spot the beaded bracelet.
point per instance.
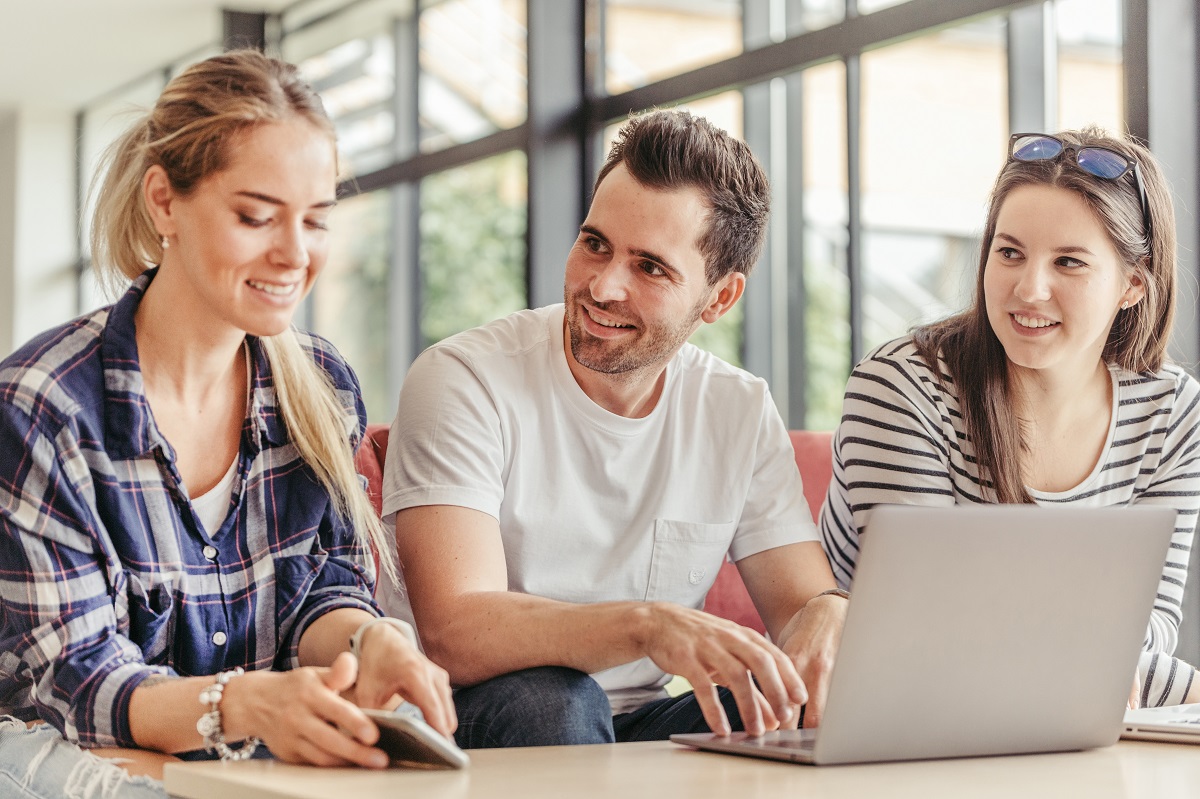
(209, 726)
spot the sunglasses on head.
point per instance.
(1101, 162)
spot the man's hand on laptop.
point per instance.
(709, 651)
(811, 641)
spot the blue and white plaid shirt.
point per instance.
(106, 574)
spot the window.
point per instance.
(1090, 90)
(875, 226)
(350, 59)
(826, 343)
(472, 245)
(350, 303)
(648, 40)
(925, 185)
(473, 60)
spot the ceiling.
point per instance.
(59, 54)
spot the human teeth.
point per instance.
(1029, 321)
(274, 289)
(604, 323)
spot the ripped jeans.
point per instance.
(38, 763)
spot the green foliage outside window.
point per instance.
(472, 245)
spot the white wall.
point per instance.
(8, 226)
(37, 223)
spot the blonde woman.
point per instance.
(1053, 387)
(186, 545)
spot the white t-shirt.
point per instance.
(213, 505)
(593, 506)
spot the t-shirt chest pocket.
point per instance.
(685, 560)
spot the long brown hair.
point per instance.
(975, 359)
(189, 133)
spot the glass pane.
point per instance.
(473, 70)
(871, 6)
(350, 301)
(925, 185)
(826, 284)
(350, 60)
(472, 245)
(1090, 79)
(816, 14)
(648, 40)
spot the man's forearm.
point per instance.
(486, 634)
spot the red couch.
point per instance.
(728, 597)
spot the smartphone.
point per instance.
(409, 741)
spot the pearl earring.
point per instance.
(1124, 305)
(166, 243)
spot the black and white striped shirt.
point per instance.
(902, 441)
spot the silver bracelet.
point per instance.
(842, 592)
(210, 727)
(404, 627)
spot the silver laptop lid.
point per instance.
(992, 629)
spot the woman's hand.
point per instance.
(301, 716)
(390, 667)
(1135, 695)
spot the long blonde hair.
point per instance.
(188, 133)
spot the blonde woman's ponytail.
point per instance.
(124, 241)
(315, 423)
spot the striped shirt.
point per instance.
(106, 574)
(902, 441)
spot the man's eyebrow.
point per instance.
(591, 231)
(267, 198)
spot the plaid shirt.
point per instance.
(106, 574)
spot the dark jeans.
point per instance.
(550, 706)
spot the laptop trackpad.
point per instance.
(801, 740)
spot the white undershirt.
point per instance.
(213, 505)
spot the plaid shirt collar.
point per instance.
(129, 428)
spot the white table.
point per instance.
(661, 770)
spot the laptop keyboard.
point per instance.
(1188, 722)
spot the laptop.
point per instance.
(983, 630)
(1177, 724)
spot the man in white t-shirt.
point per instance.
(566, 482)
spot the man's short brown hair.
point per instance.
(670, 150)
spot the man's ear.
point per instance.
(158, 194)
(724, 295)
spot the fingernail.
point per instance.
(786, 715)
(379, 761)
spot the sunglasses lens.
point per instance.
(1102, 163)
(1036, 148)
